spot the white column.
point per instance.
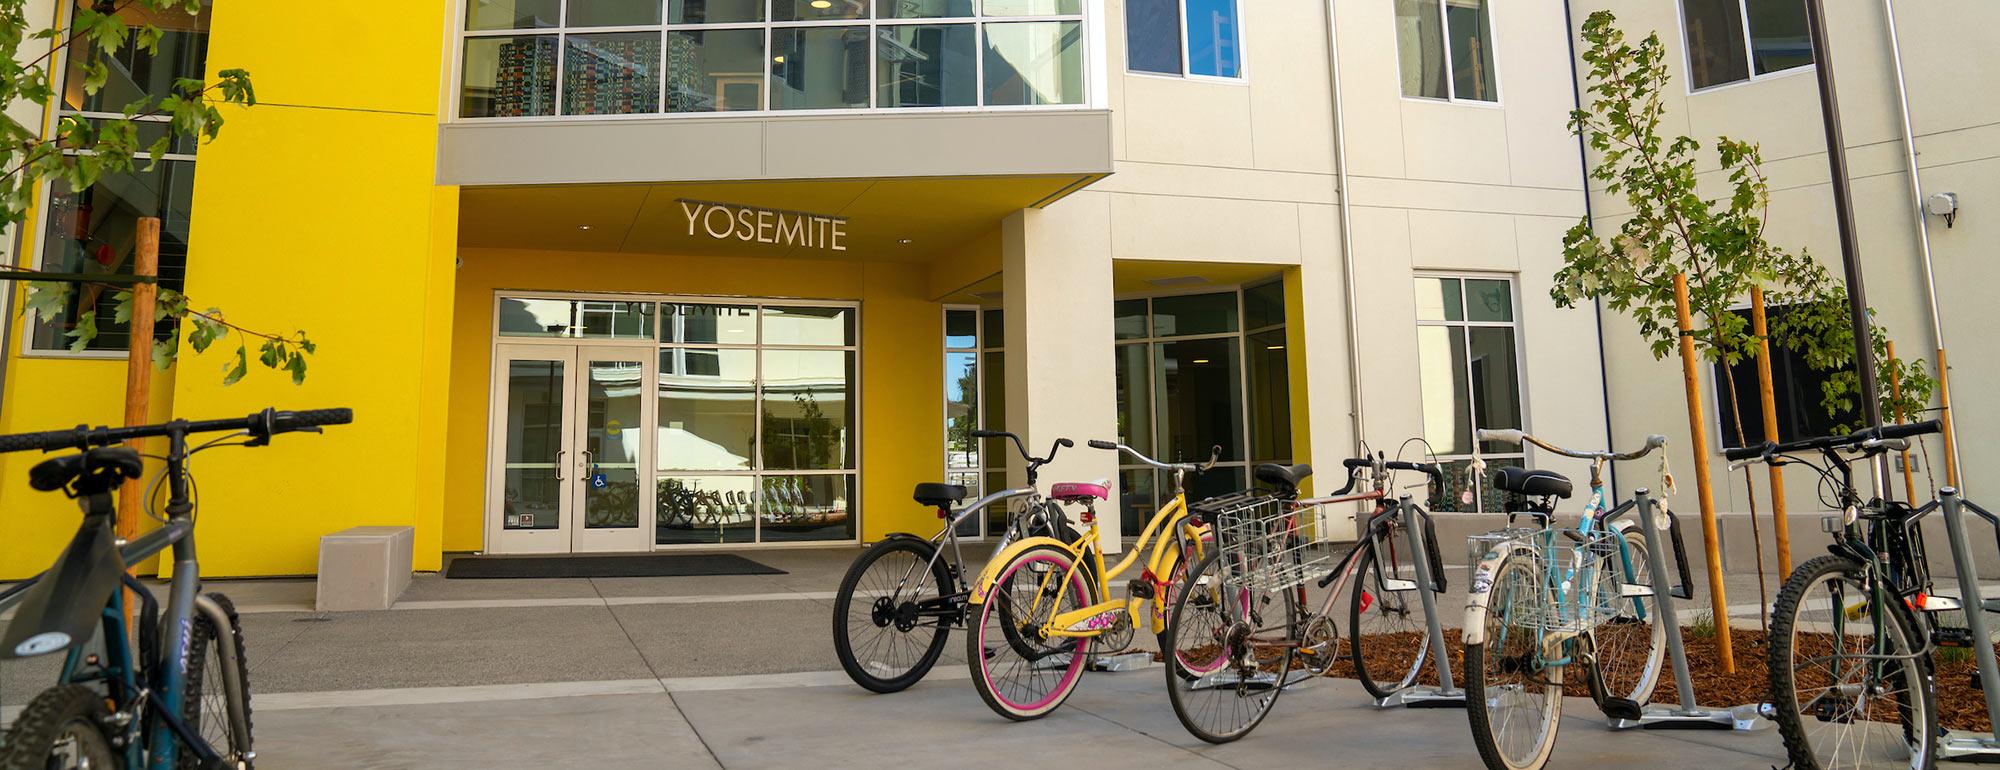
(1056, 265)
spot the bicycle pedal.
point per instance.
(1622, 708)
(1952, 637)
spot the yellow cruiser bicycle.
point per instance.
(1041, 601)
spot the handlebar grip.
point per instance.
(1425, 468)
(1504, 436)
(1098, 443)
(308, 418)
(987, 434)
(1066, 443)
(1352, 463)
(1655, 441)
(45, 440)
(1748, 452)
(1909, 430)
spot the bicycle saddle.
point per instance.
(938, 495)
(1287, 476)
(112, 464)
(1076, 491)
(1535, 483)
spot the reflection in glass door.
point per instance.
(611, 439)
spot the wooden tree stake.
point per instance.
(1698, 431)
(1767, 393)
(1896, 394)
(139, 362)
(1950, 438)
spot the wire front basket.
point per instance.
(1573, 583)
(1264, 542)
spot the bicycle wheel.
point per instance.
(1020, 673)
(1845, 683)
(1221, 678)
(1514, 702)
(1626, 651)
(60, 729)
(1389, 637)
(205, 708)
(1189, 552)
(882, 641)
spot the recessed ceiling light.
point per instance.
(1274, 347)
(779, 59)
(822, 4)
(904, 241)
(583, 227)
(1200, 361)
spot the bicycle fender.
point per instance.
(991, 572)
(1481, 592)
(65, 605)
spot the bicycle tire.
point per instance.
(901, 673)
(1500, 656)
(69, 713)
(1026, 688)
(1387, 664)
(1611, 639)
(205, 708)
(1793, 609)
(1256, 690)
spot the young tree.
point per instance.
(81, 151)
(1718, 244)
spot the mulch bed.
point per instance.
(1961, 706)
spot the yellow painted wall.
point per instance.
(902, 361)
(316, 210)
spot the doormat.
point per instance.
(629, 565)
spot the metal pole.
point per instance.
(1843, 211)
(1663, 599)
(1975, 607)
(1413, 526)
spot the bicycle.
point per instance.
(169, 703)
(1544, 597)
(889, 633)
(1226, 662)
(1851, 636)
(1053, 600)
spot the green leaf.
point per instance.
(83, 332)
(233, 371)
(164, 352)
(47, 298)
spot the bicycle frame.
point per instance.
(1098, 618)
(950, 606)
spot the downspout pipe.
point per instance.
(1583, 167)
(1923, 221)
(1346, 228)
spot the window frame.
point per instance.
(1526, 454)
(1085, 19)
(1749, 61)
(1242, 77)
(654, 346)
(986, 467)
(1451, 86)
(45, 190)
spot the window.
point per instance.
(544, 58)
(1445, 48)
(757, 424)
(93, 231)
(1196, 371)
(975, 399)
(1731, 41)
(1796, 388)
(1468, 372)
(1184, 37)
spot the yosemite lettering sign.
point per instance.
(723, 221)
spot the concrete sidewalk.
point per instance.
(739, 671)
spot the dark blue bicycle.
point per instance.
(170, 687)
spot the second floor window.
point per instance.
(544, 58)
(1201, 38)
(1445, 50)
(1730, 41)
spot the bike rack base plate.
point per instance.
(1745, 718)
(1423, 697)
(1975, 747)
(1123, 661)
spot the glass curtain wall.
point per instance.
(544, 58)
(975, 399)
(1195, 372)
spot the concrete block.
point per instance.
(364, 568)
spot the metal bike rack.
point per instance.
(1958, 744)
(1447, 694)
(1685, 716)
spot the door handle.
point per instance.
(586, 456)
(559, 455)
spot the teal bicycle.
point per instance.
(1546, 597)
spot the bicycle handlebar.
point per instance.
(1883, 437)
(1516, 436)
(262, 425)
(1023, 448)
(1214, 456)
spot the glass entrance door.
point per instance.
(569, 443)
